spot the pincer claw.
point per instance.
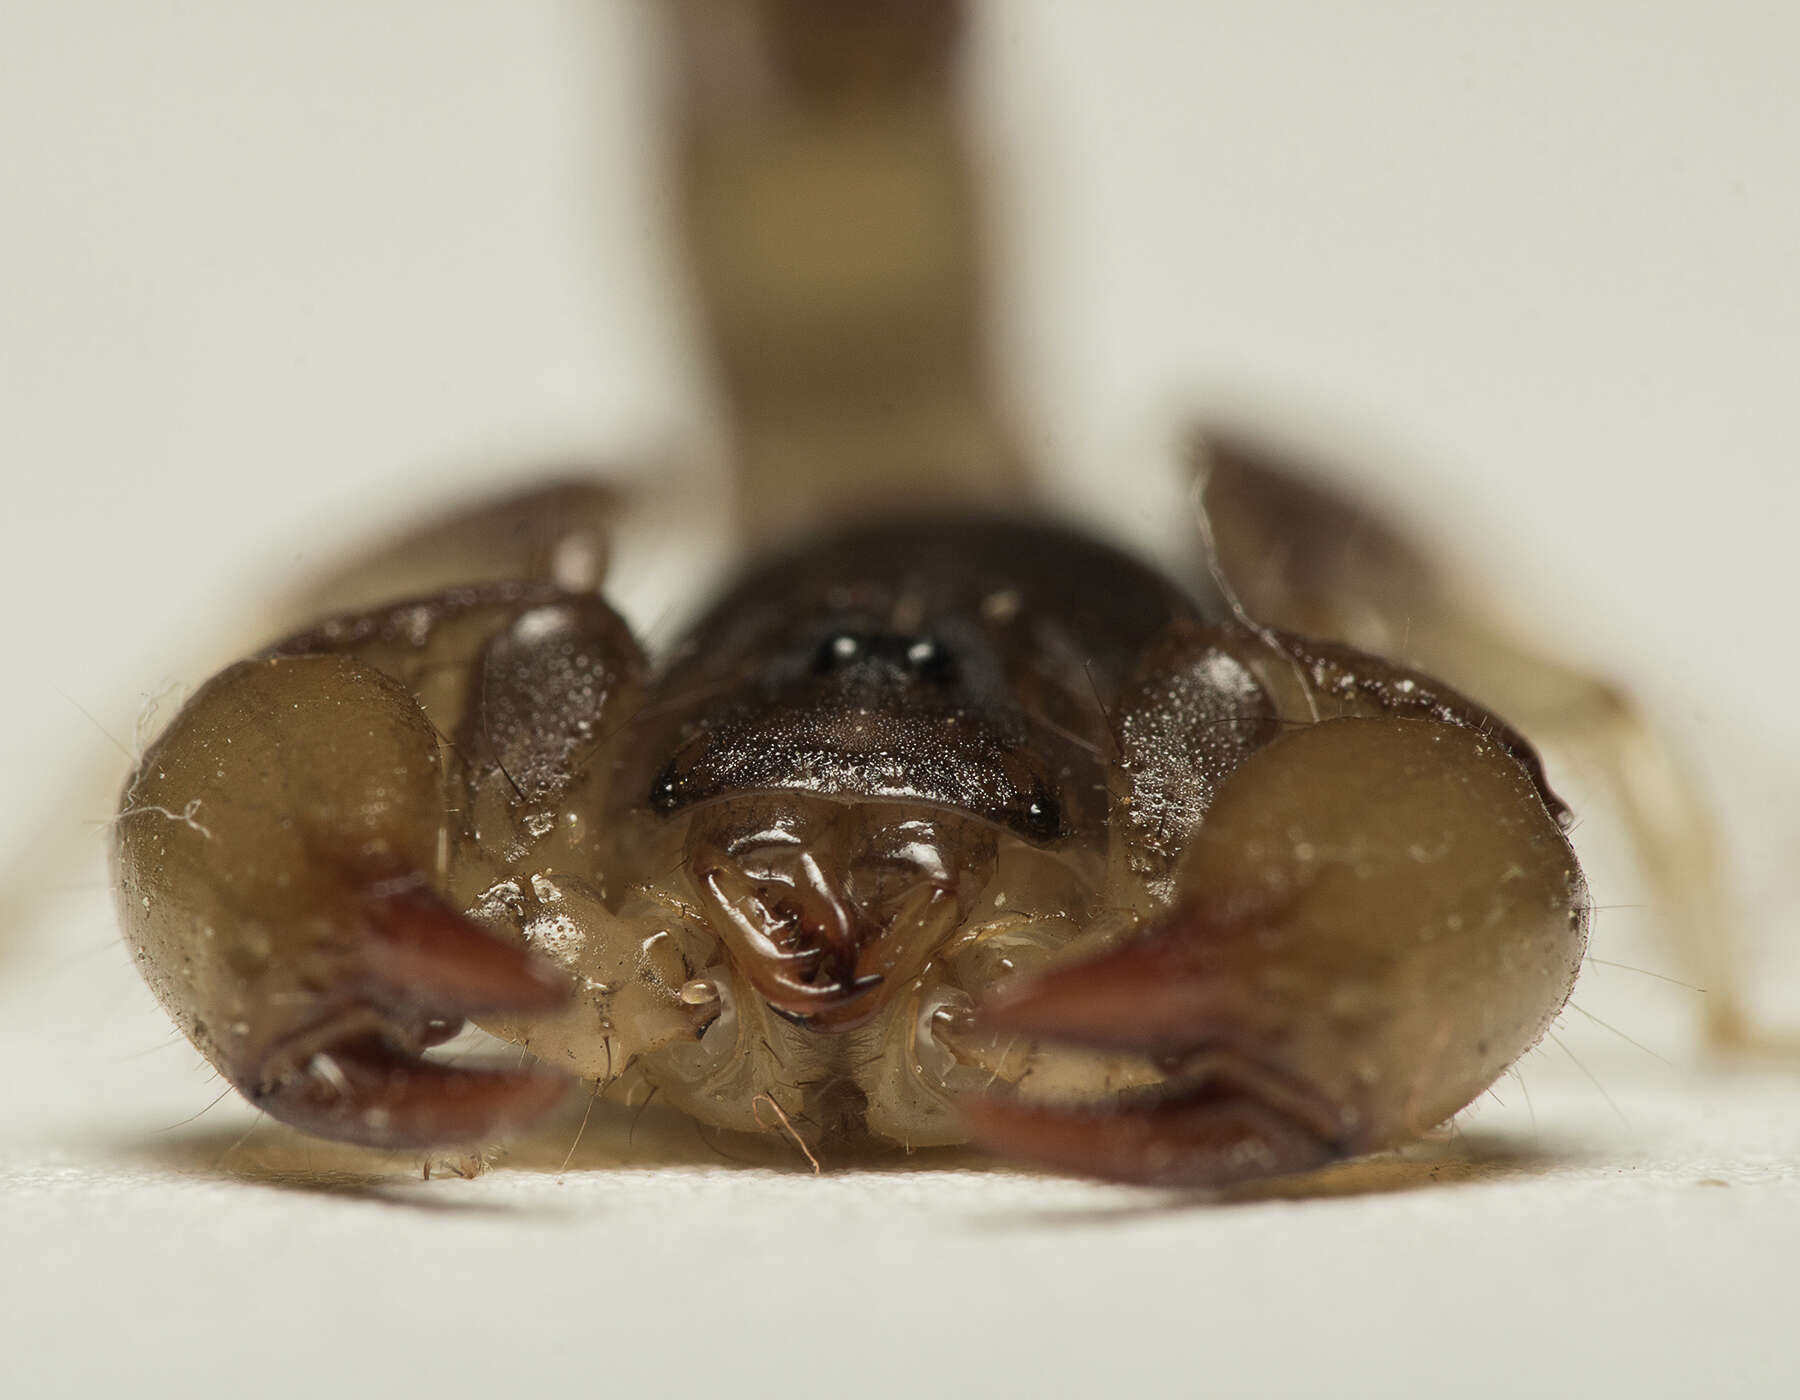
(1221, 1115)
(369, 1091)
(357, 1074)
(1209, 1137)
(424, 953)
(1376, 918)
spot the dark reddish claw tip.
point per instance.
(423, 967)
(1145, 996)
(370, 1093)
(427, 955)
(1209, 1141)
(1162, 997)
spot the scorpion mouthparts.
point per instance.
(840, 1003)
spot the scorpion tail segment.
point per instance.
(1375, 918)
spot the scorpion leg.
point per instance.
(560, 529)
(1306, 559)
(1376, 916)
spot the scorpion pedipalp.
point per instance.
(1377, 917)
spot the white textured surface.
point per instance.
(270, 272)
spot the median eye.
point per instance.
(929, 660)
(838, 650)
(921, 658)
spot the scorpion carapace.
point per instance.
(956, 828)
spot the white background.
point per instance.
(271, 276)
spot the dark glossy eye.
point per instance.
(1042, 816)
(924, 658)
(929, 660)
(665, 792)
(837, 650)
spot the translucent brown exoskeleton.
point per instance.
(962, 827)
(944, 822)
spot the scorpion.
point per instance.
(947, 821)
